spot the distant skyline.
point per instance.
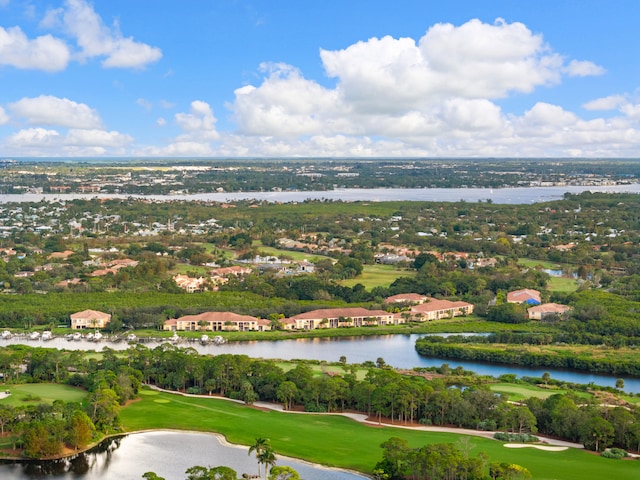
(355, 78)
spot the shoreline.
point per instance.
(357, 417)
(219, 437)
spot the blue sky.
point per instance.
(337, 78)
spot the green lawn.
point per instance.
(183, 268)
(533, 263)
(342, 442)
(563, 284)
(298, 256)
(378, 276)
(325, 369)
(517, 393)
(41, 393)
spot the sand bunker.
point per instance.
(546, 448)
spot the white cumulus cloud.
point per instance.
(199, 122)
(198, 128)
(95, 39)
(30, 137)
(4, 118)
(42, 53)
(76, 142)
(286, 104)
(53, 111)
(583, 69)
(433, 95)
(97, 138)
(632, 111)
(611, 102)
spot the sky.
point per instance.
(330, 78)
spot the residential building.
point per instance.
(340, 317)
(546, 310)
(526, 295)
(189, 284)
(415, 298)
(89, 319)
(217, 322)
(435, 309)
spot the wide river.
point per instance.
(396, 350)
(507, 195)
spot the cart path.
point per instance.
(362, 418)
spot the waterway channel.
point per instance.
(507, 195)
(396, 350)
(168, 454)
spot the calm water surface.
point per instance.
(168, 454)
(510, 195)
(396, 350)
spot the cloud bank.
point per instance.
(441, 95)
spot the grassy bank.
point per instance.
(337, 441)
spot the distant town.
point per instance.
(142, 177)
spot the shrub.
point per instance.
(312, 407)
(615, 453)
(487, 425)
(30, 397)
(515, 437)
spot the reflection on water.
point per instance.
(396, 350)
(168, 454)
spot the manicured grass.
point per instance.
(562, 284)
(338, 441)
(556, 284)
(378, 276)
(41, 393)
(517, 393)
(183, 268)
(533, 263)
(324, 369)
(298, 256)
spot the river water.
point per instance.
(396, 350)
(168, 454)
(507, 195)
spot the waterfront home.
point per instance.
(217, 322)
(89, 319)
(340, 317)
(434, 309)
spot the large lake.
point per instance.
(396, 350)
(168, 454)
(509, 195)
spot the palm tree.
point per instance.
(259, 446)
(267, 457)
